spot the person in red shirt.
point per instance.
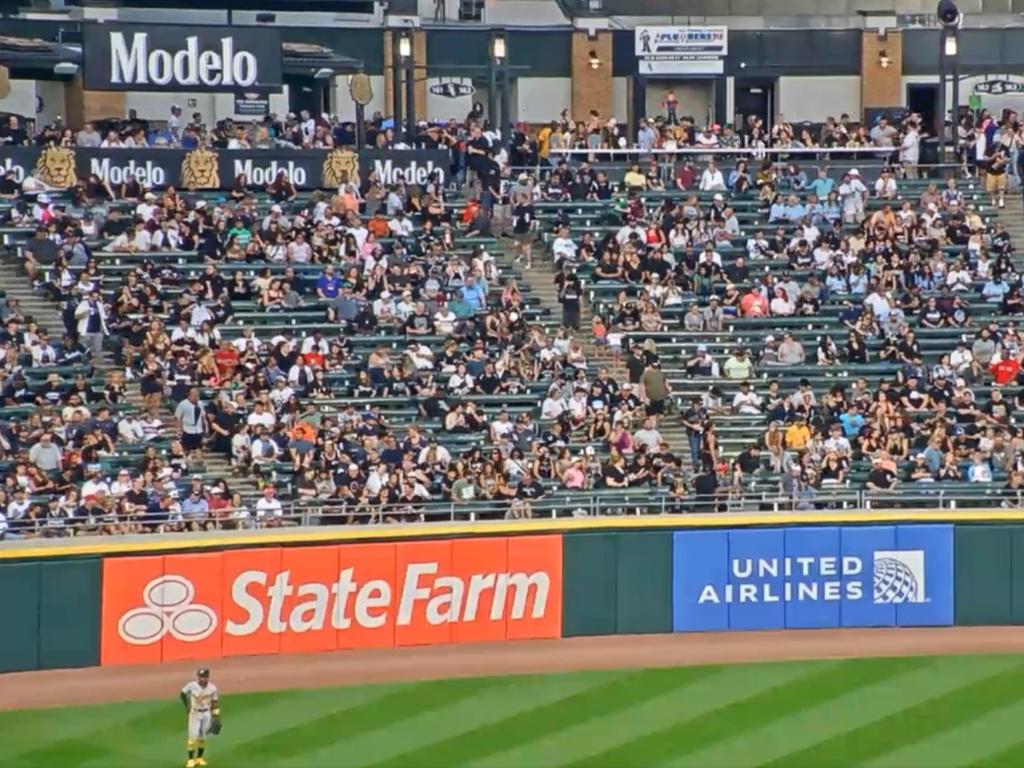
(1005, 371)
(226, 357)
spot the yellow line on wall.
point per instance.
(227, 539)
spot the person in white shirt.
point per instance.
(112, 140)
(885, 186)
(129, 429)
(958, 278)
(268, 508)
(910, 150)
(308, 127)
(852, 194)
(444, 320)
(563, 248)
(712, 180)
(630, 227)
(261, 417)
(400, 225)
(147, 208)
(553, 405)
(384, 308)
(747, 401)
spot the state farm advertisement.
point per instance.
(337, 597)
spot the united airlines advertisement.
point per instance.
(813, 577)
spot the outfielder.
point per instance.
(202, 704)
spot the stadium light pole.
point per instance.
(405, 52)
(950, 20)
(499, 51)
(396, 84)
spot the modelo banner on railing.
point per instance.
(203, 169)
(813, 577)
(136, 57)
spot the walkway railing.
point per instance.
(629, 503)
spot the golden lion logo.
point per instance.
(200, 170)
(340, 167)
(56, 167)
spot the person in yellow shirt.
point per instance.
(798, 435)
(544, 140)
(634, 179)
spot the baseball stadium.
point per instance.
(506, 383)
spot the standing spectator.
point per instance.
(91, 317)
(192, 423)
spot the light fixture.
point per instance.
(405, 45)
(595, 62)
(65, 68)
(949, 15)
(951, 47)
(323, 73)
(883, 60)
(498, 48)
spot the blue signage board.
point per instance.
(813, 577)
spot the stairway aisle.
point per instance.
(541, 279)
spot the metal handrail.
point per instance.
(629, 503)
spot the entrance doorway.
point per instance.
(307, 93)
(754, 98)
(924, 99)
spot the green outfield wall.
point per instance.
(612, 577)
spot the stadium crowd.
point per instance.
(426, 374)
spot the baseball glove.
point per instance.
(215, 726)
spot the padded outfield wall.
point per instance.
(109, 602)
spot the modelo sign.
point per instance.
(408, 166)
(177, 58)
(326, 598)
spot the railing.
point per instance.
(630, 503)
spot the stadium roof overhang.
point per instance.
(308, 58)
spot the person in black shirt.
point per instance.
(600, 188)
(569, 294)
(524, 230)
(705, 488)
(12, 134)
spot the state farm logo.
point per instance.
(168, 610)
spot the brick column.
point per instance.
(881, 86)
(419, 56)
(591, 88)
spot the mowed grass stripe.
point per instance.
(613, 696)
(773, 704)
(912, 724)
(488, 706)
(244, 716)
(851, 710)
(149, 723)
(973, 743)
(385, 712)
(728, 685)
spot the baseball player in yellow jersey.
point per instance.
(202, 703)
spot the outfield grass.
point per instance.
(883, 713)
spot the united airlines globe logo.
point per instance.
(899, 577)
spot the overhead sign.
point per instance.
(302, 599)
(129, 57)
(252, 104)
(681, 50)
(682, 41)
(999, 87)
(813, 577)
(452, 89)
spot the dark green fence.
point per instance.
(51, 614)
(617, 583)
(989, 563)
